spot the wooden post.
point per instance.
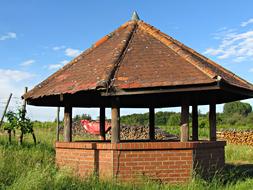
(212, 121)
(23, 116)
(67, 123)
(184, 129)
(24, 103)
(115, 123)
(58, 123)
(195, 136)
(5, 109)
(151, 124)
(102, 123)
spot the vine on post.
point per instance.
(19, 121)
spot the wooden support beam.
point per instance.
(212, 121)
(5, 109)
(115, 124)
(23, 117)
(195, 135)
(67, 123)
(102, 123)
(184, 129)
(24, 104)
(58, 123)
(152, 124)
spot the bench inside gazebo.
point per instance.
(137, 66)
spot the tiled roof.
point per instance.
(136, 55)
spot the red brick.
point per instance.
(173, 165)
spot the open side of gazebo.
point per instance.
(137, 66)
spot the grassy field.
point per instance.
(33, 167)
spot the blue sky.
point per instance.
(38, 37)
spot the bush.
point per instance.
(203, 122)
(237, 107)
(235, 119)
(250, 119)
(174, 120)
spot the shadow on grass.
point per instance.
(237, 172)
(228, 176)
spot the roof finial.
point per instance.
(135, 16)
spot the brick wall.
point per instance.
(161, 165)
(105, 164)
(80, 158)
(208, 161)
(126, 161)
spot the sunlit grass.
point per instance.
(33, 167)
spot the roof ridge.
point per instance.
(75, 60)
(184, 50)
(206, 59)
(107, 79)
(121, 57)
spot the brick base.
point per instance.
(127, 161)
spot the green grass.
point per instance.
(239, 154)
(203, 132)
(33, 167)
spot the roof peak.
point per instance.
(135, 16)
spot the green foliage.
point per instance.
(234, 119)
(203, 122)
(18, 121)
(237, 107)
(135, 119)
(45, 124)
(250, 118)
(161, 118)
(78, 118)
(12, 121)
(235, 114)
(174, 120)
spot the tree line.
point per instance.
(234, 113)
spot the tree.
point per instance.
(237, 107)
(174, 120)
(78, 118)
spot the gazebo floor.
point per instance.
(130, 160)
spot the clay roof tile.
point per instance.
(136, 55)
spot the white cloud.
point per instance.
(251, 70)
(27, 62)
(64, 62)
(246, 23)
(14, 75)
(56, 48)
(9, 35)
(233, 45)
(72, 52)
(13, 81)
(58, 65)
(54, 66)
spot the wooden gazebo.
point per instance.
(138, 66)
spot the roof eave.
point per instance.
(158, 90)
(236, 89)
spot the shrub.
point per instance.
(174, 120)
